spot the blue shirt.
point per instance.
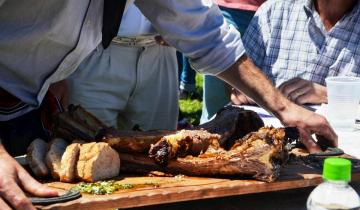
(42, 41)
(287, 39)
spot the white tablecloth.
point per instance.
(348, 141)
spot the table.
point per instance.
(286, 199)
(280, 200)
(221, 193)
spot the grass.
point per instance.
(191, 107)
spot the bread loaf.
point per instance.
(56, 149)
(97, 161)
(68, 162)
(36, 157)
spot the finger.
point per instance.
(237, 97)
(327, 132)
(3, 205)
(15, 197)
(34, 187)
(286, 83)
(309, 143)
(293, 86)
(303, 99)
(300, 92)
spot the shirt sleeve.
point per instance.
(256, 36)
(197, 29)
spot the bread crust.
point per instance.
(68, 162)
(97, 161)
(56, 149)
(36, 153)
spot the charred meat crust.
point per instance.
(133, 141)
(232, 123)
(160, 153)
(259, 155)
(181, 144)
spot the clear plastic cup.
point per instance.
(343, 99)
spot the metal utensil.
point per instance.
(69, 196)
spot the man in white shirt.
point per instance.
(133, 81)
(42, 42)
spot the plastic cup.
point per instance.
(343, 99)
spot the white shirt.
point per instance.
(134, 23)
(42, 41)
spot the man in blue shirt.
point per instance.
(297, 44)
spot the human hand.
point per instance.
(12, 178)
(239, 98)
(303, 91)
(245, 76)
(309, 123)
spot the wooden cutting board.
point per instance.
(181, 188)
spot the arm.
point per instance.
(198, 29)
(298, 90)
(245, 76)
(13, 180)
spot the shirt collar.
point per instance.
(309, 7)
(353, 14)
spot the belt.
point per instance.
(136, 41)
(139, 41)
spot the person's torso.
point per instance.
(134, 23)
(298, 46)
(43, 41)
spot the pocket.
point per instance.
(346, 64)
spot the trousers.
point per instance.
(127, 86)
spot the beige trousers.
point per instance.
(127, 86)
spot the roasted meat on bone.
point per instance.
(259, 155)
(231, 123)
(181, 144)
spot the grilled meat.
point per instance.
(258, 155)
(181, 144)
(232, 123)
(132, 141)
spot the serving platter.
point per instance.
(161, 190)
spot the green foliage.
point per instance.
(191, 107)
(199, 78)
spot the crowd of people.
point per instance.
(123, 67)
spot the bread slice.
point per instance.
(78, 141)
(56, 149)
(36, 157)
(68, 162)
(97, 161)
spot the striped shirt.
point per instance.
(287, 39)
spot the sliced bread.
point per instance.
(36, 157)
(68, 162)
(56, 149)
(97, 161)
